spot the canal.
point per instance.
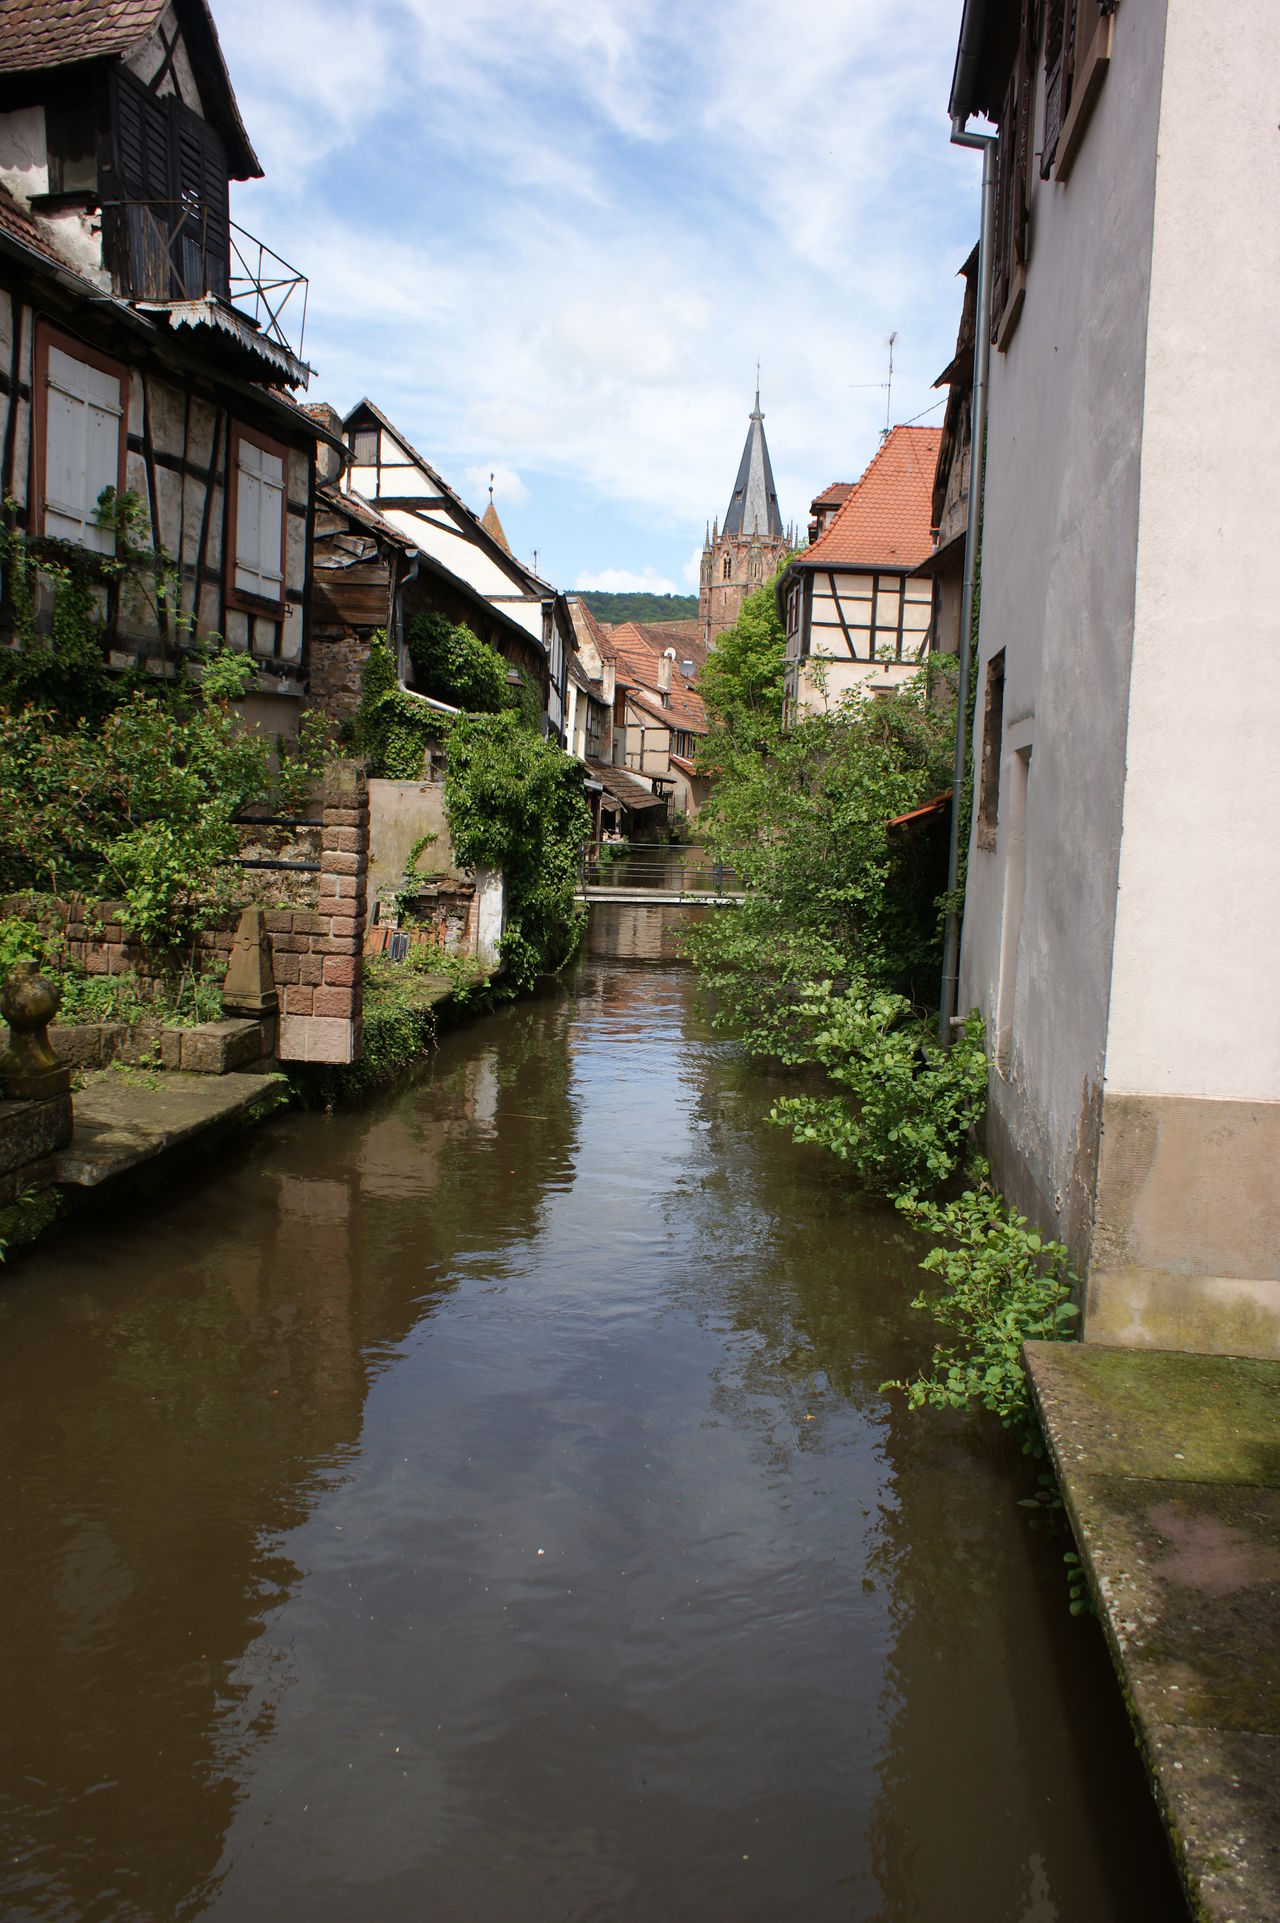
(483, 1506)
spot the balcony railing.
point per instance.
(165, 250)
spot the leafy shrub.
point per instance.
(393, 731)
(516, 802)
(908, 1105)
(452, 664)
(1002, 1285)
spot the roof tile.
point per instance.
(886, 521)
(53, 33)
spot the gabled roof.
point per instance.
(887, 519)
(18, 224)
(366, 406)
(754, 508)
(834, 496)
(38, 34)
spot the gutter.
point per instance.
(966, 56)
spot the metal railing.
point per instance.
(635, 866)
(166, 252)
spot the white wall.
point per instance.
(1058, 566)
(1194, 1005)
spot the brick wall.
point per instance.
(317, 953)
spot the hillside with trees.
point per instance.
(640, 607)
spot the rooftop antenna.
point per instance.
(888, 387)
(757, 384)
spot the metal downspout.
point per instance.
(977, 475)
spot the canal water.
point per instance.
(484, 1506)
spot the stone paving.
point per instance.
(125, 1120)
(1170, 1470)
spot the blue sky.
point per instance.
(552, 239)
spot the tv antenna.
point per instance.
(888, 387)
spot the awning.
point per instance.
(625, 788)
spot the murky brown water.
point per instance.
(483, 1507)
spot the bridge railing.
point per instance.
(639, 866)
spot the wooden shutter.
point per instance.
(1001, 264)
(1055, 35)
(1020, 208)
(202, 251)
(260, 511)
(84, 412)
(142, 172)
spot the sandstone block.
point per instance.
(310, 970)
(341, 971)
(338, 1002)
(297, 1001)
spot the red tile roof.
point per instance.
(19, 225)
(637, 652)
(887, 519)
(833, 496)
(52, 33)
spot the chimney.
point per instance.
(664, 677)
(608, 681)
(328, 460)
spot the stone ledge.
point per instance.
(1170, 1471)
(123, 1125)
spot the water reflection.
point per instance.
(484, 1506)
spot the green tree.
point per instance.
(452, 664)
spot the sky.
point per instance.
(551, 241)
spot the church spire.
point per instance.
(754, 507)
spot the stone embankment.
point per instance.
(1170, 1470)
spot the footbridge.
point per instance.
(648, 875)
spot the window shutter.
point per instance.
(1055, 35)
(142, 166)
(1004, 182)
(200, 175)
(1020, 206)
(82, 449)
(1068, 64)
(259, 562)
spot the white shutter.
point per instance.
(82, 449)
(259, 521)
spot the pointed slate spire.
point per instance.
(754, 507)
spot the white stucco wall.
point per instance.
(1058, 566)
(1193, 1003)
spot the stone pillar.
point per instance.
(322, 1017)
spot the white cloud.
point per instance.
(693, 569)
(626, 581)
(508, 489)
(551, 237)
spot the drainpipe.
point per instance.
(986, 143)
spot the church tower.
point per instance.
(740, 556)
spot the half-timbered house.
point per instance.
(532, 627)
(856, 616)
(147, 344)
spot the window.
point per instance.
(992, 749)
(256, 521)
(81, 403)
(728, 566)
(1012, 236)
(171, 226)
(1077, 52)
(364, 447)
(73, 152)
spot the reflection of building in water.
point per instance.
(632, 931)
(175, 1418)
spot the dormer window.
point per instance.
(172, 212)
